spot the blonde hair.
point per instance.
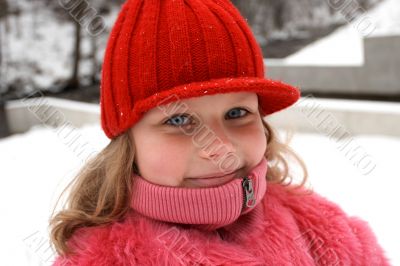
(100, 192)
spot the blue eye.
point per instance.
(178, 120)
(236, 113)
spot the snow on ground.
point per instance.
(37, 165)
(345, 45)
(373, 197)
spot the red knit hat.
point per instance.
(181, 48)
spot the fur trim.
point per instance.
(285, 229)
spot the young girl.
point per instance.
(193, 175)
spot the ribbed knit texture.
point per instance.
(160, 51)
(205, 208)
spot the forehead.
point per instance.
(207, 102)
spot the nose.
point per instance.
(216, 143)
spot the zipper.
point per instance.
(248, 193)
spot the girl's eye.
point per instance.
(236, 113)
(184, 119)
(178, 120)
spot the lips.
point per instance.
(212, 180)
(216, 175)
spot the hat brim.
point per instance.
(273, 95)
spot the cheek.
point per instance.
(161, 160)
(253, 142)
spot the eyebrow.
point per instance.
(243, 97)
(181, 111)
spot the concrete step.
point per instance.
(335, 117)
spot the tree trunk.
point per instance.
(1, 49)
(236, 3)
(4, 129)
(3, 17)
(278, 16)
(93, 58)
(74, 80)
(35, 23)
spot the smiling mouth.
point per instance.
(210, 181)
(214, 175)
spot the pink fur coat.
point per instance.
(284, 229)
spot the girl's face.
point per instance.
(183, 143)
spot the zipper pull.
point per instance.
(248, 193)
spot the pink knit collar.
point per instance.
(205, 208)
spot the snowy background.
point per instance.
(345, 45)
